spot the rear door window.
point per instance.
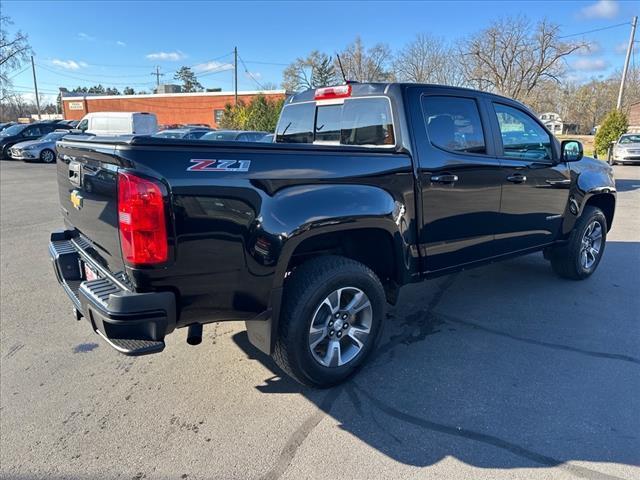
(453, 123)
(365, 121)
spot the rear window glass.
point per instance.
(296, 123)
(359, 121)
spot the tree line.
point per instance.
(513, 57)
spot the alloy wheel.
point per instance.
(340, 327)
(591, 245)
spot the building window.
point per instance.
(217, 116)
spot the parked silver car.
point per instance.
(627, 149)
(43, 149)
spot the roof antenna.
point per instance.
(344, 77)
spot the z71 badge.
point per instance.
(202, 165)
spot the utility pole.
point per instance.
(626, 62)
(35, 86)
(235, 74)
(158, 75)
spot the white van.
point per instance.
(119, 123)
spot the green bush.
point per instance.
(614, 125)
(260, 114)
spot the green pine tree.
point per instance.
(614, 125)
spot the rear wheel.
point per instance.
(332, 315)
(47, 156)
(580, 257)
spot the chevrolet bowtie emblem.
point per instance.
(76, 200)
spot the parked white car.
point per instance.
(627, 149)
(43, 149)
(119, 123)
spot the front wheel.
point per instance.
(47, 156)
(580, 257)
(331, 318)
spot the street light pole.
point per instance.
(235, 74)
(626, 62)
(35, 86)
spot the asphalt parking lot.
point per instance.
(500, 372)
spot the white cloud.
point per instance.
(212, 67)
(45, 98)
(621, 47)
(68, 64)
(601, 9)
(120, 43)
(86, 36)
(590, 64)
(168, 56)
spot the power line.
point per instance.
(246, 70)
(127, 84)
(595, 30)
(258, 62)
(224, 68)
(21, 71)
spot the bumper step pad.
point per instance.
(133, 323)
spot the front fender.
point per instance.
(590, 177)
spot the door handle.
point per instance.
(446, 178)
(517, 178)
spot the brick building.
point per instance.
(170, 108)
(633, 115)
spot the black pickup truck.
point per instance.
(367, 187)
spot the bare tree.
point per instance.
(316, 70)
(512, 58)
(367, 65)
(14, 50)
(428, 59)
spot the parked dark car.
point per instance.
(23, 132)
(187, 133)
(367, 187)
(234, 135)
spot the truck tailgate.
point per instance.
(87, 185)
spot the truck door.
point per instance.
(459, 177)
(535, 186)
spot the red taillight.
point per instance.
(326, 93)
(141, 218)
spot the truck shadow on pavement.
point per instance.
(506, 366)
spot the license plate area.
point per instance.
(90, 273)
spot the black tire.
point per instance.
(47, 156)
(304, 292)
(566, 260)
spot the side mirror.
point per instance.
(571, 151)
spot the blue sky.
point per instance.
(119, 43)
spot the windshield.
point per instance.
(220, 136)
(14, 130)
(170, 134)
(364, 121)
(629, 139)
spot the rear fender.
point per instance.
(300, 213)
